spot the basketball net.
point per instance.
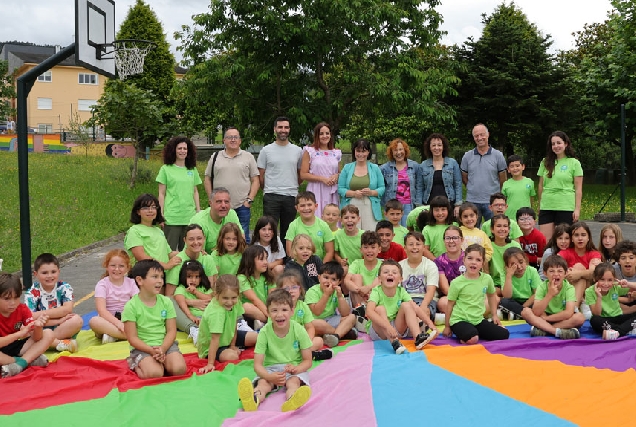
(130, 56)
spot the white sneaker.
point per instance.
(194, 334)
(242, 325)
(499, 314)
(258, 325)
(440, 319)
(107, 339)
(610, 335)
(585, 309)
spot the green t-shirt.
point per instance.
(434, 238)
(151, 238)
(469, 296)
(523, 287)
(400, 231)
(228, 263)
(497, 266)
(368, 276)
(217, 320)
(390, 304)
(180, 182)
(150, 321)
(182, 290)
(348, 246)
(319, 232)
(257, 285)
(515, 231)
(518, 194)
(558, 192)
(302, 313)
(211, 229)
(557, 303)
(610, 307)
(411, 218)
(172, 275)
(314, 294)
(282, 350)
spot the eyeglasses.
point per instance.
(148, 208)
(232, 137)
(499, 205)
(525, 219)
(291, 288)
(452, 238)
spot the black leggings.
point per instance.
(621, 324)
(485, 330)
(512, 305)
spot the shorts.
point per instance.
(137, 356)
(555, 217)
(240, 342)
(14, 348)
(280, 367)
(333, 321)
(375, 337)
(432, 306)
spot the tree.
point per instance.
(7, 91)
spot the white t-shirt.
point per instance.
(271, 257)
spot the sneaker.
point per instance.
(325, 354)
(536, 332)
(107, 339)
(361, 323)
(258, 325)
(41, 360)
(242, 325)
(360, 310)
(610, 335)
(569, 334)
(247, 396)
(500, 314)
(297, 400)
(586, 311)
(351, 335)
(330, 340)
(509, 314)
(424, 338)
(67, 345)
(194, 334)
(398, 347)
(440, 319)
(10, 370)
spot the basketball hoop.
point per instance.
(130, 55)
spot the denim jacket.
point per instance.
(451, 175)
(390, 173)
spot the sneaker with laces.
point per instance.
(536, 332)
(351, 335)
(610, 334)
(107, 339)
(398, 347)
(330, 340)
(360, 310)
(325, 354)
(246, 394)
(361, 323)
(67, 345)
(424, 338)
(568, 334)
(41, 360)
(194, 334)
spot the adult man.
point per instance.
(236, 170)
(279, 165)
(216, 216)
(483, 172)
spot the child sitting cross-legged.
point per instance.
(363, 273)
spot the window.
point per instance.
(87, 79)
(45, 103)
(45, 77)
(85, 104)
(45, 128)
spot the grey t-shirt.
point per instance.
(483, 174)
(281, 164)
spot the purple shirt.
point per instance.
(450, 269)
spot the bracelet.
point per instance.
(248, 200)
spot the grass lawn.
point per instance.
(77, 200)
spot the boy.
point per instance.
(281, 358)
(22, 339)
(554, 302)
(363, 273)
(308, 223)
(54, 299)
(625, 254)
(347, 239)
(323, 300)
(390, 315)
(518, 188)
(331, 215)
(388, 248)
(393, 211)
(150, 325)
(417, 218)
(533, 241)
(498, 206)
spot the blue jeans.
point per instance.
(407, 210)
(244, 215)
(485, 213)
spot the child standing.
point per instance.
(393, 212)
(439, 219)
(611, 234)
(518, 189)
(150, 326)
(331, 215)
(229, 249)
(254, 282)
(520, 283)
(22, 339)
(281, 358)
(533, 241)
(468, 214)
(500, 225)
(112, 292)
(559, 241)
(347, 239)
(307, 223)
(54, 299)
(304, 261)
(388, 248)
(498, 206)
(363, 273)
(451, 263)
(192, 296)
(266, 235)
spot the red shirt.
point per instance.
(533, 245)
(396, 252)
(12, 324)
(571, 257)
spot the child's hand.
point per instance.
(191, 288)
(201, 304)
(174, 261)
(338, 290)
(291, 369)
(207, 368)
(236, 349)
(25, 331)
(329, 290)
(447, 331)
(511, 269)
(623, 283)
(277, 378)
(496, 320)
(41, 321)
(120, 325)
(392, 333)
(158, 355)
(597, 290)
(344, 262)
(194, 320)
(553, 289)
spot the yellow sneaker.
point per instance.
(246, 394)
(298, 399)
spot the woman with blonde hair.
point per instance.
(402, 178)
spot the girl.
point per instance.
(304, 261)
(112, 292)
(611, 234)
(291, 281)
(229, 248)
(607, 317)
(145, 240)
(520, 283)
(500, 229)
(193, 286)
(465, 312)
(254, 282)
(451, 263)
(220, 340)
(440, 218)
(266, 235)
(560, 240)
(468, 214)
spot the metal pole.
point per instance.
(622, 162)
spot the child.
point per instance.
(417, 218)
(229, 249)
(112, 292)
(500, 225)
(438, 220)
(54, 299)
(518, 189)
(451, 263)
(291, 281)
(465, 312)
(150, 326)
(533, 241)
(498, 206)
(145, 239)
(520, 283)
(388, 248)
(347, 239)
(281, 358)
(219, 339)
(468, 214)
(304, 261)
(194, 286)
(393, 212)
(611, 234)
(363, 273)
(22, 339)
(307, 223)
(625, 255)
(554, 301)
(559, 241)
(607, 317)
(391, 316)
(266, 235)
(255, 281)
(331, 215)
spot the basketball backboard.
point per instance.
(94, 27)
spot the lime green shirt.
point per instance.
(302, 313)
(557, 303)
(610, 306)
(228, 263)
(151, 239)
(469, 296)
(400, 231)
(319, 232)
(497, 266)
(434, 238)
(518, 194)
(348, 246)
(181, 290)
(150, 321)
(314, 294)
(172, 275)
(515, 231)
(178, 205)
(257, 285)
(284, 350)
(217, 320)
(211, 229)
(411, 218)
(390, 304)
(368, 276)
(523, 287)
(558, 192)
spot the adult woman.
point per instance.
(320, 166)
(440, 174)
(560, 184)
(402, 179)
(361, 184)
(178, 194)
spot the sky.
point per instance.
(53, 21)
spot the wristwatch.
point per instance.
(248, 200)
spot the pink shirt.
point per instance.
(570, 256)
(116, 296)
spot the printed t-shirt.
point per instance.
(150, 321)
(302, 313)
(21, 316)
(283, 350)
(469, 296)
(416, 280)
(558, 192)
(38, 299)
(557, 303)
(610, 307)
(390, 304)
(518, 193)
